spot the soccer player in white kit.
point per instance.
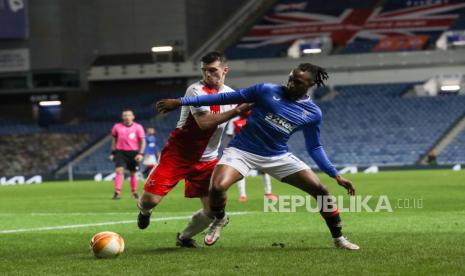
(191, 151)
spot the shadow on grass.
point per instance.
(234, 250)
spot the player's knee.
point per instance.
(216, 187)
(219, 184)
(119, 171)
(148, 200)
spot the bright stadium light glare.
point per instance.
(450, 87)
(312, 51)
(459, 43)
(162, 49)
(50, 103)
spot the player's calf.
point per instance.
(217, 197)
(334, 223)
(145, 205)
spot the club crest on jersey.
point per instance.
(132, 135)
(280, 122)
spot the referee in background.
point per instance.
(127, 150)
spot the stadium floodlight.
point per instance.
(312, 51)
(450, 88)
(50, 103)
(162, 49)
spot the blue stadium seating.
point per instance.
(98, 160)
(372, 124)
(363, 125)
(454, 153)
(97, 119)
(277, 50)
(360, 46)
(108, 107)
(19, 129)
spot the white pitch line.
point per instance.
(73, 226)
(80, 214)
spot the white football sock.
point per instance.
(341, 238)
(267, 182)
(199, 222)
(241, 187)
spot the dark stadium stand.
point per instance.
(39, 153)
(98, 160)
(96, 121)
(108, 107)
(12, 126)
(454, 153)
(360, 46)
(373, 124)
(363, 125)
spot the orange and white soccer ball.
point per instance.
(107, 245)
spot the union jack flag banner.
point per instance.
(345, 21)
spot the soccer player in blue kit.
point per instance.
(278, 111)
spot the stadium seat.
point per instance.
(373, 124)
(454, 153)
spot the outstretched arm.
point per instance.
(318, 154)
(246, 95)
(207, 120)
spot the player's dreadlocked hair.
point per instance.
(319, 74)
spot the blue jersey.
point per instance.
(151, 147)
(273, 120)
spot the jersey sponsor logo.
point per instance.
(280, 122)
(276, 98)
(132, 135)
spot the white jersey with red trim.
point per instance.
(197, 144)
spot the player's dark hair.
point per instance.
(214, 56)
(319, 74)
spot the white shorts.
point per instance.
(150, 159)
(277, 166)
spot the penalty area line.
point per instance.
(74, 226)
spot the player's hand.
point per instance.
(242, 109)
(167, 105)
(111, 157)
(139, 157)
(347, 184)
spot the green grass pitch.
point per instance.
(420, 241)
